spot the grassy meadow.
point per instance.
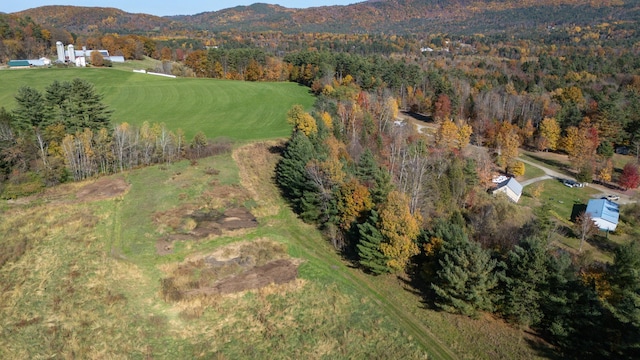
(83, 275)
(84, 279)
(220, 108)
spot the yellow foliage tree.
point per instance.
(302, 120)
(447, 135)
(549, 134)
(570, 140)
(517, 168)
(604, 173)
(327, 120)
(464, 135)
(399, 229)
(507, 143)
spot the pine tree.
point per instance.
(291, 174)
(30, 109)
(57, 101)
(466, 279)
(521, 283)
(86, 109)
(376, 178)
(623, 303)
(371, 257)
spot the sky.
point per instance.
(166, 7)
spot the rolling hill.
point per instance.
(382, 16)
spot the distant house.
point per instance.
(512, 188)
(19, 64)
(604, 213)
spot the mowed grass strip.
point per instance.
(220, 108)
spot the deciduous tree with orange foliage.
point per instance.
(353, 201)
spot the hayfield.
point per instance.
(220, 108)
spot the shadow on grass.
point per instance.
(603, 243)
(608, 185)
(577, 210)
(562, 167)
(417, 284)
(542, 348)
(417, 116)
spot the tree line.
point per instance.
(66, 134)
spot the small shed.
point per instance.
(512, 188)
(19, 63)
(604, 213)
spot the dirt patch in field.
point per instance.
(276, 272)
(186, 223)
(102, 188)
(231, 269)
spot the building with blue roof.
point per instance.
(604, 213)
(512, 188)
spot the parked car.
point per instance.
(572, 184)
(612, 197)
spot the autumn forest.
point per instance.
(483, 81)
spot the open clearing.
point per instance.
(219, 108)
(83, 277)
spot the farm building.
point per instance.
(17, 64)
(43, 61)
(511, 187)
(604, 213)
(72, 55)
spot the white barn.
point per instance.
(512, 188)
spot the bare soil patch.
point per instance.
(102, 188)
(187, 223)
(220, 212)
(276, 272)
(231, 269)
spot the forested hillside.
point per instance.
(419, 106)
(373, 17)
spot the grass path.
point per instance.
(318, 251)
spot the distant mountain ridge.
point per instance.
(377, 16)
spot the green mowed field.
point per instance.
(219, 108)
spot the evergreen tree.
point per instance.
(371, 257)
(57, 101)
(376, 178)
(466, 279)
(291, 173)
(623, 302)
(86, 109)
(572, 314)
(30, 109)
(524, 275)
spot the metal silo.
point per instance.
(60, 49)
(72, 54)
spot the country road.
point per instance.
(552, 174)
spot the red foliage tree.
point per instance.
(442, 109)
(630, 177)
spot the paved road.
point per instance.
(552, 174)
